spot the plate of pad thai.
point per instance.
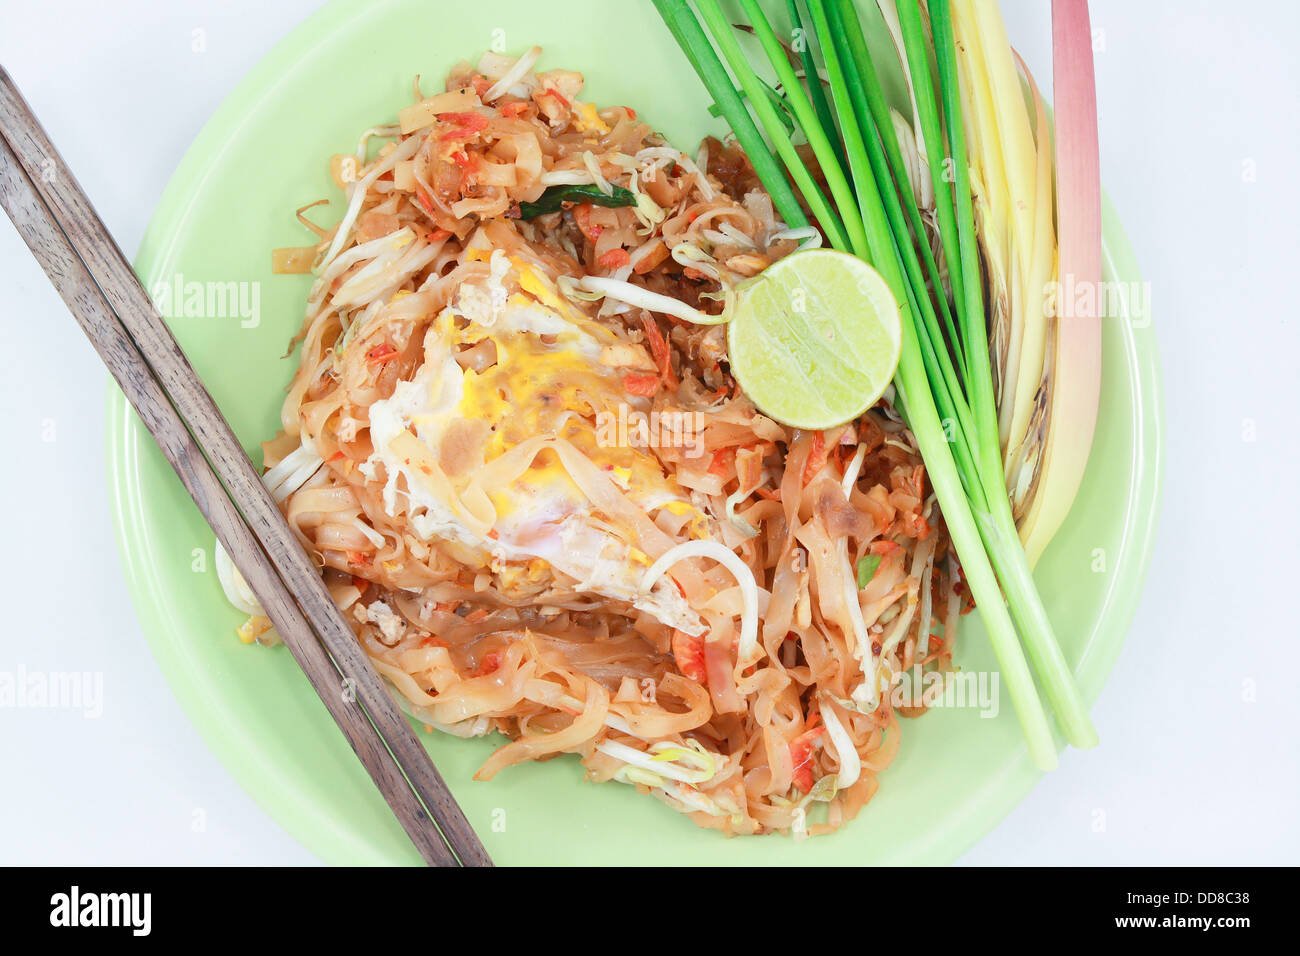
(559, 372)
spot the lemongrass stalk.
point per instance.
(1076, 380)
(1042, 262)
(1010, 128)
(1012, 124)
(989, 195)
(1023, 456)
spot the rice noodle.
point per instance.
(516, 451)
(845, 752)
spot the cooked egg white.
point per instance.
(438, 430)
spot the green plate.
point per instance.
(265, 153)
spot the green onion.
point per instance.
(695, 44)
(869, 100)
(873, 240)
(945, 367)
(787, 121)
(811, 75)
(826, 214)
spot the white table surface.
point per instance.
(1198, 722)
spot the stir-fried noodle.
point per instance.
(544, 503)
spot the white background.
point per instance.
(1199, 721)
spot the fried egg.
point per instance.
(468, 445)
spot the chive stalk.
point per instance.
(721, 29)
(699, 51)
(811, 75)
(869, 100)
(945, 367)
(867, 233)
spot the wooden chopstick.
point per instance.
(92, 275)
(75, 285)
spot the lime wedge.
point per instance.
(815, 339)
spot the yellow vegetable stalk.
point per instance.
(1023, 453)
(1018, 251)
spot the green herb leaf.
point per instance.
(867, 566)
(553, 199)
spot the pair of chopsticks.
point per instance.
(93, 277)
